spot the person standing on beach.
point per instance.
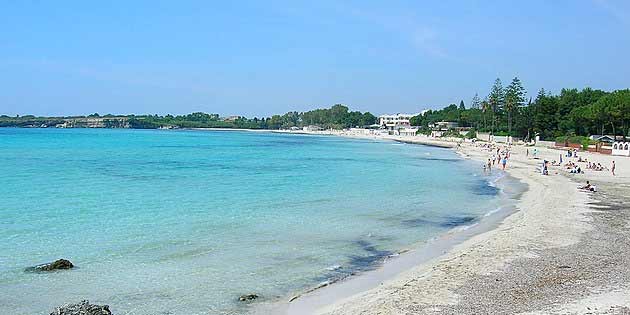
(612, 168)
(489, 166)
(504, 161)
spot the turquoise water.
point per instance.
(184, 222)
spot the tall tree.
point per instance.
(475, 102)
(514, 98)
(485, 107)
(545, 121)
(496, 99)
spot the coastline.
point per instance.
(311, 300)
(328, 293)
(432, 279)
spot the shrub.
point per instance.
(584, 141)
(585, 144)
(452, 133)
(561, 139)
(472, 133)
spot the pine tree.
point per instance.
(485, 107)
(475, 102)
(496, 99)
(514, 98)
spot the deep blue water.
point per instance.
(183, 222)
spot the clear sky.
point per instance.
(262, 57)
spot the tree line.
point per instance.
(507, 111)
(338, 116)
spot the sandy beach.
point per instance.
(564, 251)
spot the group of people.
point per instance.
(572, 152)
(596, 166)
(499, 157)
(573, 168)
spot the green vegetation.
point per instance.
(572, 112)
(471, 134)
(452, 133)
(338, 116)
(29, 121)
(582, 140)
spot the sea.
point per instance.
(187, 221)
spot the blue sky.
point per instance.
(263, 57)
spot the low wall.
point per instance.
(485, 136)
(541, 143)
(598, 148)
(621, 148)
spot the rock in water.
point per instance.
(83, 308)
(59, 264)
(55, 265)
(248, 297)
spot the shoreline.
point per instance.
(421, 253)
(519, 236)
(391, 267)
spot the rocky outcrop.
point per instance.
(58, 264)
(247, 297)
(83, 308)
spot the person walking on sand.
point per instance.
(612, 168)
(503, 162)
(489, 166)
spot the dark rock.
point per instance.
(83, 308)
(248, 297)
(58, 264)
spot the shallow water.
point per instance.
(183, 222)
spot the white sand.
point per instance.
(551, 214)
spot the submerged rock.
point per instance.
(58, 264)
(247, 297)
(83, 308)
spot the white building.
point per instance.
(409, 132)
(443, 125)
(397, 121)
(312, 128)
(621, 148)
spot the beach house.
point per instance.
(603, 138)
(396, 121)
(440, 127)
(408, 132)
